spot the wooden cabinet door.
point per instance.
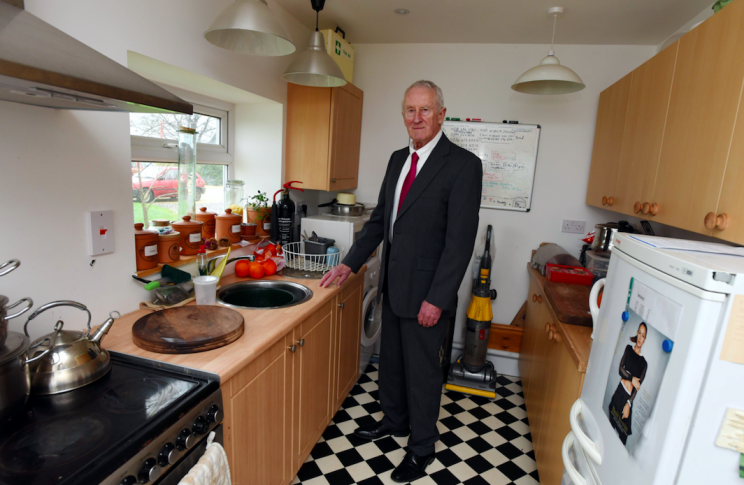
(702, 112)
(348, 340)
(346, 136)
(258, 418)
(529, 333)
(563, 389)
(731, 202)
(540, 369)
(308, 134)
(644, 131)
(311, 382)
(608, 139)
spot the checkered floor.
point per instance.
(482, 441)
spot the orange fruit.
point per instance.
(242, 268)
(256, 270)
(269, 267)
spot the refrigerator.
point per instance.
(663, 396)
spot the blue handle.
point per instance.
(625, 316)
(667, 345)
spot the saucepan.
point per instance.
(15, 376)
(338, 209)
(6, 268)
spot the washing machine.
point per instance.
(371, 313)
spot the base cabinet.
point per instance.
(278, 406)
(551, 383)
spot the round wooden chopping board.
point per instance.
(187, 329)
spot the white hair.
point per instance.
(428, 85)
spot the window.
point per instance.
(155, 189)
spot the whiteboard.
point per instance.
(508, 153)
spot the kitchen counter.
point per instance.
(578, 339)
(263, 328)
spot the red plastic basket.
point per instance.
(568, 274)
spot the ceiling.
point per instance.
(612, 22)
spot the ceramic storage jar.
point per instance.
(207, 220)
(191, 235)
(168, 249)
(228, 225)
(146, 244)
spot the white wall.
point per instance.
(59, 164)
(476, 81)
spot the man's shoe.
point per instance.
(377, 430)
(411, 468)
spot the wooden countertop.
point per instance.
(578, 339)
(263, 328)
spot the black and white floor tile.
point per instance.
(483, 441)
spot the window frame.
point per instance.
(165, 150)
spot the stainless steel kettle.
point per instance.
(74, 359)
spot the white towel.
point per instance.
(211, 469)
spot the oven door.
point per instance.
(176, 474)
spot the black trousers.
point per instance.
(410, 379)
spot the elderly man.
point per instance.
(427, 216)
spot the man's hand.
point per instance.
(340, 271)
(429, 314)
(626, 411)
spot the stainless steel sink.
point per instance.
(262, 295)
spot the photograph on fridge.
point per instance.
(639, 363)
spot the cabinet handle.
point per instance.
(301, 342)
(713, 221)
(547, 327)
(646, 208)
(637, 207)
(604, 200)
(341, 305)
(293, 349)
(539, 298)
(654, 209)
(610, 201)
(333, 180)
(550, 335)
(557, 337)
(534, 297)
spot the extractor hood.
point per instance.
(43, 66)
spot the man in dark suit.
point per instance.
(427, 216)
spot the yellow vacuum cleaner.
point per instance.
(472, 373)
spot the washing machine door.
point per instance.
(372, 314)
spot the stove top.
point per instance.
(84, 435)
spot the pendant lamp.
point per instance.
(549, 77)
(250, 27)
(315, 67)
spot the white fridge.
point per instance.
(663, 397)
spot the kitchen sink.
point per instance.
(261, 295)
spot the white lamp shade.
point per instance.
(549, 77)
(250, 27)
(315, 67)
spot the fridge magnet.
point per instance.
(639, 363)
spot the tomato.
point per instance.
(271, 247)
(269, 267)
(256, 270)
(242, 269)
(259, 257)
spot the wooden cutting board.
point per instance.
(570, 302)
(187, 329)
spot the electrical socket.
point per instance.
(573, 227)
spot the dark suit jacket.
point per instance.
(434, 233)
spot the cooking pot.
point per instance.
(6, 268)
(338, 209)
(66, 359)
(14, 371)
(604, 238)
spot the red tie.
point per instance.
(408, 181)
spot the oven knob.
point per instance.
(150, 471)
(130, 480)
(200, 425)
(214, 415)
(168, 455)
(185, 440)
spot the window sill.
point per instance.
(185, 260)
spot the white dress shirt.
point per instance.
(423, 154)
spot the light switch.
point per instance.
(100, 232)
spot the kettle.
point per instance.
(73, 359)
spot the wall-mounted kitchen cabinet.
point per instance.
(679, 156)
(324, 130)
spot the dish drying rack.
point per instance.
(303, 265)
